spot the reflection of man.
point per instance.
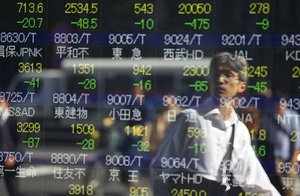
(260, 140)
(8, 143)
(139, 125)
(211, 142)
(283, 128)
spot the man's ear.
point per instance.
(242, 87)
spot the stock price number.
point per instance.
(200, 86)
(89, 84)
(28, 127)
(86, 23)
(144, 70)
(144, 85)
(295, 136)
(188, 192)
(87, 144)
(199, 24)
(192, 70)
(259, 8)
(261, 150)
(260, 87)
(259, 71)
(80, 8)
(198, 148)
(136, 130)
(32, 142)
(30, 7)
(138, 191)
(142, 146)
(143, 8)
(296, 72)
(30, 67)
(196, 132)
(145, 24)
(31, 23)
(85, 129)
(260, 136)
(77, 189)
(83, 69)
(194, 8)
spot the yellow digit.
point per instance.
(89, 190)
(19, 129)
(79, 8)
(150, 8)
(72, 189)
(262, 135)
(31, 8)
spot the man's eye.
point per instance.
(228, 74)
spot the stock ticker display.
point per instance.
(89, 90)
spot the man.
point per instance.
(8, 142)
(282, 127)
(209, 144)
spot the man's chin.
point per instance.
(219, 96)
(219, 93)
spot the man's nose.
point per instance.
(221, 78)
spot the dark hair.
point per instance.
(239, 64)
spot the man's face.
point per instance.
(225, 82)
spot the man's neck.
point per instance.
(225, 112)
(225, 107)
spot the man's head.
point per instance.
(227, 75)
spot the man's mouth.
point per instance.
(220, 89)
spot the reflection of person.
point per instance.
(161, 124)
(210, 142)
(281, 125)
(8, 143)
(262, 145)
(137, 127)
